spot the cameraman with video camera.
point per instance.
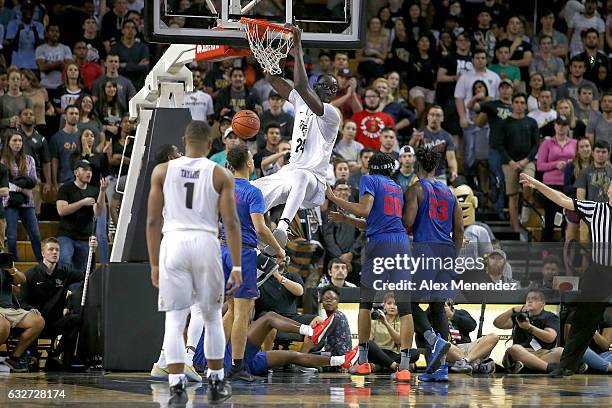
(534, 335)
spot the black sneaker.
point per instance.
(266, 267)
(178, 395)
(560, 372)
(17, 364)
(241, 375)
(218, 391)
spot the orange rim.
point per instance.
(264, 23)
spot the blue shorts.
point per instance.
(378, 269)
(437, 267)
(248, 290)
(255, 360)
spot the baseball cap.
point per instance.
(345, 72)
(82, 163)
(228, 131)
(562, 120)
(406, 149)
(274, 94)
(506, 82)
(225, 119)
(498, 252)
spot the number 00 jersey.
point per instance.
(191, 202)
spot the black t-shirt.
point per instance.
(520, 138)
(542, 321)
(6, 290)
(99, 166)
(496, 112)
(604, 323)
(260, 156)
(78, 225)
(94, 46)
(453, 63)
(518, 55)
(118, 149)
(276, 298)
(422, 72)
(37, 147)
(4, 182)
(400, 51)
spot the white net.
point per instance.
(269, 43)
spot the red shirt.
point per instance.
(369, 126)
(90, 71)
(347, 107)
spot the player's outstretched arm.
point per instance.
(280, 85)
(553, 195)
(300, 78)
(155, 220)
(411, 206)
(224, 184)
(360, 209)
(266, 236)
(336, 216)
(457, 226)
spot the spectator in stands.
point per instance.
(534, 335)
(96, 50)
(136, 17)
(272, 137)
(45, 289)
(217, 77)
(600, 126)
(112, 23)
(109, 110)
(399, 52)
(583, 108)
(341, 169)
(433, 134)
(347, 98)
(580, 23)
(125, 88)
(121, 153)
(592, 181)
(422, 69)
(325, 66)
(30, 86)
(372, 57)
(520, 48)
(90, 70)
(551, 266)
(20, 203)
(483, 36)
(36, 146)
(71, 89)
(62, 144)
(546, 63)
(4, 192)
(338, 335)
(346, 146)
(565, 107)
(77, 203)
(559, 40)
(518, 146)
(337, 270)
(12, 315)
(553, 156)
(575, 81)
(503, 68)
(495, 266)
(52, 58)
(341, 60)
(395, 83)
(598, 355)
(364, 158)
(88, 119)
(273, 163)
(230, 140)
(277, 115)
(235, 97)
(370, 121)
(405, 175)
(402, 117)
(594, 59)
(388, 143)
(582, 160)
(6, 14)
(13, 101)
(476, 148)
(451, 68)
(494, 113)
(545, 115)
(536, 84)
(133, 55)
(99, 166)
(200, 103)
(24, 35)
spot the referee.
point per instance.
(596, 282)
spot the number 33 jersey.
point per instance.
(313, 137)
(434, 220)
(191, 202)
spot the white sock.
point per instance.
(336, 361)
(282, 225)
(306, 330)
(189, 357)
(161, 361)
(219, 374)
(174, 379)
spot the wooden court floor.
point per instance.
(320, 390)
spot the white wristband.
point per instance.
(237, 268)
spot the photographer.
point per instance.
(534, 334)
(273, 163)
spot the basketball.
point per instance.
(245, 124)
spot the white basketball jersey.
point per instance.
(190, 199)
(313, 137)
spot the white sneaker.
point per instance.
(159, 372)
(281, 237)
(191, 374)
(525, 211)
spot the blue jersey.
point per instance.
(249, 200)
(386, 214)
(434, 219)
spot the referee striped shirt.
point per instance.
(599, 218)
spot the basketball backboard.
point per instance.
(331, 24)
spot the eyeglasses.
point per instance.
(329, 298)
(533, 299)
(328, 87)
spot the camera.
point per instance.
(520, 317)
(376, 313)
(6, 260)
(286, 157)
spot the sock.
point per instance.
(237, 364)
(282, 225)
(430, 337)
(189, 356)
(363, 353)
(442, 361)
(405, 359)
(215, 374)
(161, 361)
(174, 379)
(306, 330)
(335, 361)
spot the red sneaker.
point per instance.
(320, 329)
(361, 369)
(401, 376)
(350, 358)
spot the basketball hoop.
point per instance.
(269, 43)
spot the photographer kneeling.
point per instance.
(534, 335)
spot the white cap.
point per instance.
(228, 131)
(406, 149)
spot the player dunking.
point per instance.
(380, 202)
(432, 213)
(186, 197)
(301, 183)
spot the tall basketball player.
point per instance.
(433, 215)
(301, 183)
(186, 197)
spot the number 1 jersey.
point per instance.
(191, 202)
(434, 219)
(386, 214)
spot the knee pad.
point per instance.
(404, 308)
(366, 305)
(211, 317)
(175, 319)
